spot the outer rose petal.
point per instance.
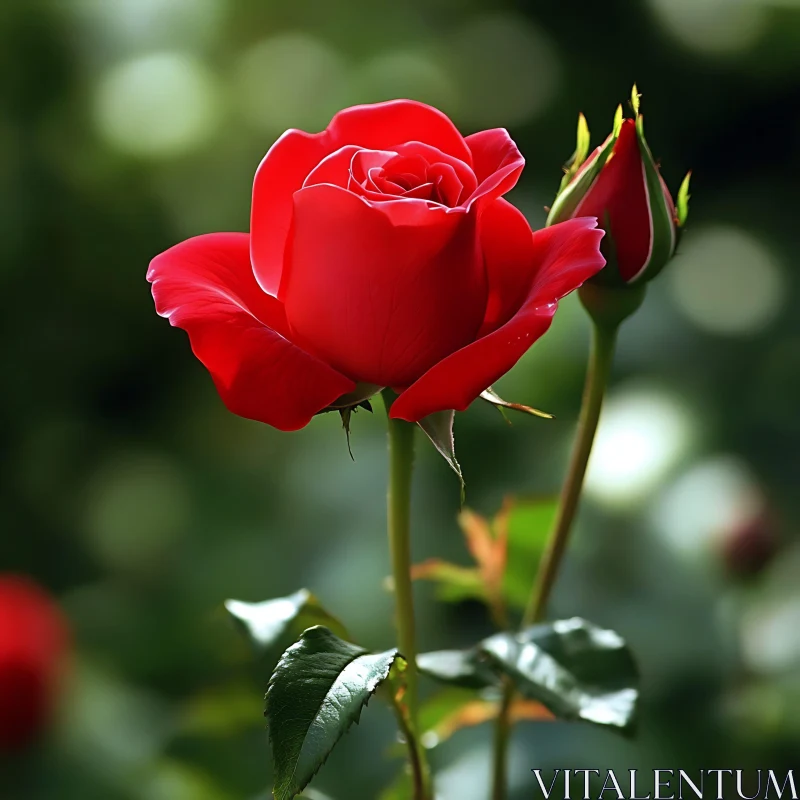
(620, 191)
(383, 125)
(507, 243)
(382, 292)
(295, 154)
(496, 161)
(279, 175)
(564, 256)
(205, 286)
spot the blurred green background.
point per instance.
(129, 491)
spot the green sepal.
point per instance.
(438, 428)
(570, 197)
(491, 396)
(635, 96)
(315, 694)
(619, 118)
(579, 156)
(682, 205)
(663, 238)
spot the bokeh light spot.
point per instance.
(137, 508)
(726, 281)
(406, 74)
(643, 432)
(131, 25)
(159, 105)
(507, 70)
(291, 81)
(714, 27)
(712, 497)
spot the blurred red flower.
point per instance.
(33, 644)
(381, 253)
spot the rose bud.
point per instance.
(380, 254)
(33, 643)
(620, 184)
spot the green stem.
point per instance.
(607, 309)
(602, 356)
(401, 463)
(502, 736)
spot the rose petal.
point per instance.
(205, 286)
(496, 161)
(433, 158)
(383, 125)
(290, 160)
(382, 291)
(335, 168)
(507, 242)
(279, 175)
(561, 258)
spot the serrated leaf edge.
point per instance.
(356, 719)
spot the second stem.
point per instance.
(597, 374)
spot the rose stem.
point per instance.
(401, 463)
(597, 374)
(607, 308)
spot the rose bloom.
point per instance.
(380, 253)
(33, 643)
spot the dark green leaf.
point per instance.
(529, 524)
(439, 429)
(315, 694)
(574, 668)
(266, 622)
(465, 668)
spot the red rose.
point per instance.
(380, 254)
(33, 640)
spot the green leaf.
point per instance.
(315, 694)
(454, 583)
(402, 788)
(529, 524)
(439, 429)
(265, 623)
(464, 668)
(491, 396)
(682, 207)
(574, 668)
(440, 706)
(308, 794)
